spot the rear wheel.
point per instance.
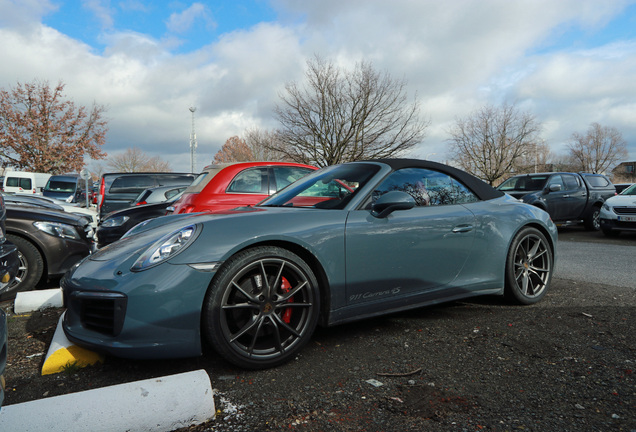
(528, 267)
(30, 269)
(261, 308)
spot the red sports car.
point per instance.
(227, 186)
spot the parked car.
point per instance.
(29, 200)
(52, 204)
(620, 187)
(119, 190)
(159, 194)
(21, 182)
(619, 213)
(8, 269)
(63, 187)
(114, 225)
(227, 186)
(567, 197)
(49, 242)
(255, 281)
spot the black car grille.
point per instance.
(625, 210)
(101, 312)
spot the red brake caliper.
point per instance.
(285, 287)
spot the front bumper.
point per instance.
(151, 314)
(616, 225)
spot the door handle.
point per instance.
(566, 196)
(462, 228)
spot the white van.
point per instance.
(20, 182)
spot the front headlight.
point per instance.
(166, 248)
(114, 221)
(58, 229)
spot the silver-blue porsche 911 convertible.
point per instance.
(344, 243)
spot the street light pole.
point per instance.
(193, 144)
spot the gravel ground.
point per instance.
(565, 364)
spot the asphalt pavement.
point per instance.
(591, 257)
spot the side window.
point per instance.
(173, 192)
(131, 184)
(427, 187)
(571, 182)
(251, 180)
(286, 175)
(25, 183)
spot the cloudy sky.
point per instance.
(568, 62)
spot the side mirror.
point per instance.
(391, 201)
(554, 188)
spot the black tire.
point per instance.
(30, 269)
(528, 267)
(593, 220)
(252, 317)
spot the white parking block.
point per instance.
(159, 404)
(29, 301)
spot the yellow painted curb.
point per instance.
(72, 356)
(63, 354)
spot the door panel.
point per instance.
(409, 252)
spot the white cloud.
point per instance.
(183, 22)
(102, 11)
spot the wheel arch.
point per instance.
(38, 246)
(312, 262)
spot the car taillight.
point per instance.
(141, 203)
(102, 191)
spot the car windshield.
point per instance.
(524, 183)
(328, 188)
(60, 186)
(630, 190)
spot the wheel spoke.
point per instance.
(250, 297)
(248, 326)
(531, 267)
(293, 291)
(255, 337)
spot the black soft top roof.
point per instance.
(482, 189)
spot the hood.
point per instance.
(138, 209)
(622, 200)
(41, 214)
(145, 234)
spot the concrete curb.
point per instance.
(30, 301)
(157, 404)
(62, 353)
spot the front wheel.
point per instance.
(528, 267)
(30, 269)
(261, 308)
(593, 221)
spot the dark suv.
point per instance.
(119, 190)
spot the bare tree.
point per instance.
(538, 158)
(135, 160)
(597, 151)
(262, 142)
(42, 131)
(491, 142)
(340, 116)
